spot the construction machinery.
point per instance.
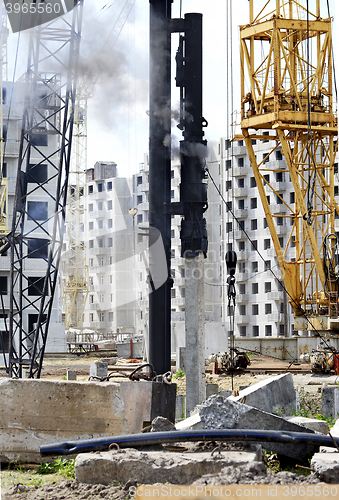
(286, 56)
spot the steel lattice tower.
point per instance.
(38, 226)
(286, 53)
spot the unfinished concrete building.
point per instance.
(110, 305)
(262, 307)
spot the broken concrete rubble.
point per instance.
(274, 394)
(221, 413)
(326, 466)
(311, 423)
(254, 473)
(155, 466)
(326, 462)
(160, 424)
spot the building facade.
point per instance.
(262, 307)
(117, 225)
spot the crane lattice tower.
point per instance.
(291, 97)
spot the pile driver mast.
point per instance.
(286, 54)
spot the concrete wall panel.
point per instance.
(37, 412)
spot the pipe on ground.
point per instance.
(154, 438)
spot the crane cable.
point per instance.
(229, 75)
(333, 61)
(310, 189)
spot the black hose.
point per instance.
(153, 438)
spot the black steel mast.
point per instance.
(160, 180)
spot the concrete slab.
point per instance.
(326, 466)
(311, 423)
(155, 466)
(192, 422)
(321, 379)
(330, 401)
(222, 413)
(273, 394)
(37, 412)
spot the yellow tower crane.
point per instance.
(286, 56)
(77, 287)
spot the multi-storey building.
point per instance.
(118, 216)
(262, 308)
(112, 300)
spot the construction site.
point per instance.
(172, 321)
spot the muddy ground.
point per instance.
(26, 484)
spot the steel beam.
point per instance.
(160, 180)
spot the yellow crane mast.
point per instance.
(286, 56)
(76, 269)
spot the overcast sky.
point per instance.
(117, 112)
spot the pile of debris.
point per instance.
(265, 407)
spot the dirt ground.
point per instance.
(26, 484)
